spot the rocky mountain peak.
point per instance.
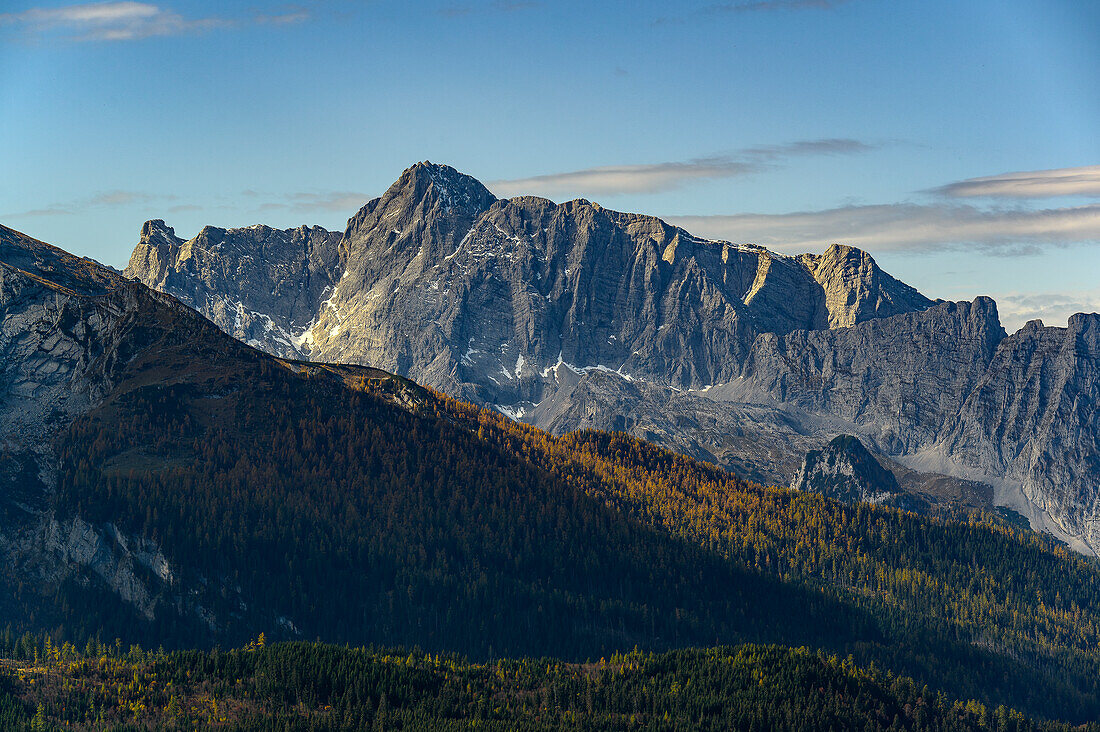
(845, 470)
(1085, 323)
(455, 191)
(259, 284)
(157, 229)
(856, 289)
(983, 311)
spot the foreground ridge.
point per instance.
(278, 687)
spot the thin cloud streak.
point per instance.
(39, 212)
(1053, 308)
(126, 20)
(826, 146)
(907, 227)
(615, 179)
(768, 5)
(499, 6)
(120, 198)
(656, 177)
(1082, 181)
(327, 201)
(751, 6)
(290, 17)
(104, 199)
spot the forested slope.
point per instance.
(319, 687)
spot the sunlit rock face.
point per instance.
(572, 315)
(260, 285)
(439, 280)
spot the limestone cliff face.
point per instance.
(1034, 418)
(57, 339)
(900, 379)
(260, 285)
(489, 299)
(856, 290)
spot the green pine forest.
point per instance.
(312, 686)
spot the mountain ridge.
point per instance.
(203, 489)
(535, 308)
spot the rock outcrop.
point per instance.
(846, 471)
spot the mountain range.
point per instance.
(169, 484)
(571, 316)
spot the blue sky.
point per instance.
(959, 142)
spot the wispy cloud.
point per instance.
(119, 198)
(326, 201)
(184, 208)
(498, 6)
(824, 146)
(1053, 308)
(287, 16)
(750, 6)
(106, 21)
(908, 227)
(655, 177)
(1083, 181)
(127, 20)
(104, 199)
(766, 5)
(615, 179)
(39, 212)
(508, 6)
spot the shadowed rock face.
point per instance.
(71, 332)
(1034, 417)
(75, 339)
(901, 379)
(846, 471)
(571, 315)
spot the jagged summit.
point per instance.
(856, 289)
(439, 279)
(454, 191)
(847, 471)
(259, 284)
(157, 228)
